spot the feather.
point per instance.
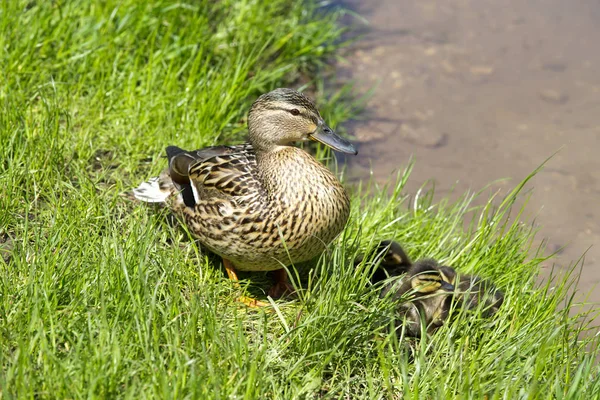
(151, 191)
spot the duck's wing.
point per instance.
(214, 172)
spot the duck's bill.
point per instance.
(447, 287)
(328, 137)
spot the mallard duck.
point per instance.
(422, 296)
(265, 204)
(471, 291)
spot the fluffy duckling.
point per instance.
(468, 291)
(392, 259)
(423, 294)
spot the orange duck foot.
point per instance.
(246, 300)
(251, 302)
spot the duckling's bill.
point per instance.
(328, 137)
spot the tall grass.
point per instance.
(102, 297)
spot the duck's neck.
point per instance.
(289, 170)
(277, 165)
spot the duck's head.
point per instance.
(394, 255)
(448, 274)
(426, 278)
(285, 116)
(392, 258)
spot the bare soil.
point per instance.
(481, 90)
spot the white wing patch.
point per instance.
(195, 192)
(151, 192)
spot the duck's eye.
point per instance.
(295, 111)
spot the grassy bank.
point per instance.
(102, 297)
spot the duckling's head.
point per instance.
(448, 274)
(285, 116)
(394, 256)
(393, 261)
(426, 278)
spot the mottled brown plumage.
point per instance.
(265, 204)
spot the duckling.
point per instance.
(265, 204)
(393, 261)
(469, 290)
(472, 290)
(423, 296)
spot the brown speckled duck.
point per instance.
(265, 204)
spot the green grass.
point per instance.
(102, 297)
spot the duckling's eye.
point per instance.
(295, 111)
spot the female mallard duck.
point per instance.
(265, 204)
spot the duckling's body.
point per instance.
(261, 205)
(472, 292)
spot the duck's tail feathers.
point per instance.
(156, 190)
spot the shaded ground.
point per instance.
(479, 90)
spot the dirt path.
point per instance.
(479, 90)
